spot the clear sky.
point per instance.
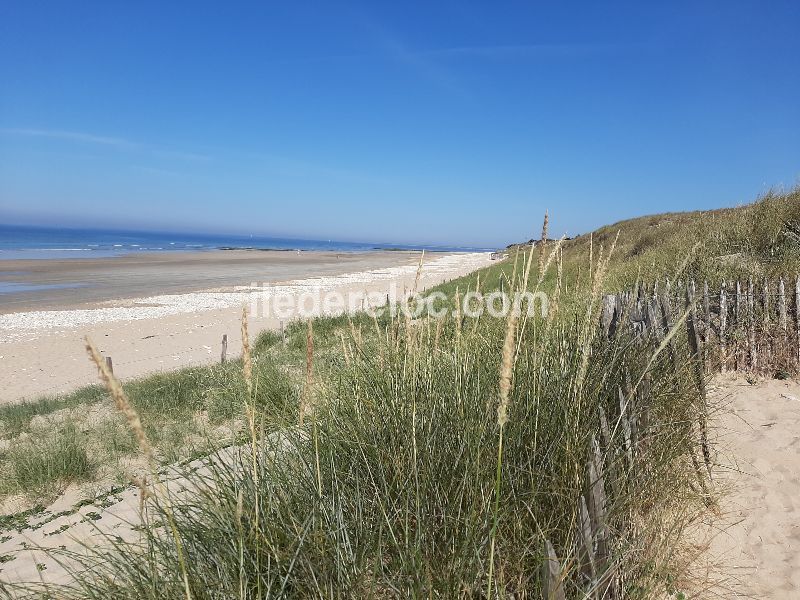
(455, 122)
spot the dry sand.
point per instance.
(41, 351)
(31, 546)
(755, 550)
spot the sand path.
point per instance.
(756, 543)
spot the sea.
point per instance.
(29, 242)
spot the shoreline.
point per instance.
(57, 284)
(41, 351)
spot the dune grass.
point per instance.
(407, 480)
(37, 464)
(434, 461)
(185, 413)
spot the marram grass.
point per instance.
(396, 485)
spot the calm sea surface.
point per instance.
(23, 242)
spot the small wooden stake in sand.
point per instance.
(224, 353)
(109, 364)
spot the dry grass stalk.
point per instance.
(345, 351)
(123, 405)
(545, 268)
(438, 334)
(506, 374)
(408, 327)
(506, 369)
(407, 305)
(247, 361)
(419, 273)
(428, 337)
(685, 262)
(356, 333)
(591, 317)
(144, 493)
(121, 401)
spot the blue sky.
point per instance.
(451, 122)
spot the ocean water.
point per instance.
(23, 242)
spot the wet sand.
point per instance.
(83, 282)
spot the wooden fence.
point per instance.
(744, 326)
(751, 326)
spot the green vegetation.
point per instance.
(37, 464)
(405, 479)
(757, 240)
(392, 488)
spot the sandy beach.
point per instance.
(164, 311)
(85, 282)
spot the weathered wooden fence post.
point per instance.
(586, 543)
(782, 314)
(625, 424)
(706, 322)
(766, 338)
(766, 301)
(723, 322)
(783, 320)
(552, 585)
(224, 353)
(596, 496)
(751, 325)
(110, 364)
(699, 370)
(666, 322)
(797, 315)
(739, 329)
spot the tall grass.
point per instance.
(400, 457)
(442, 461)
(39, 465)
